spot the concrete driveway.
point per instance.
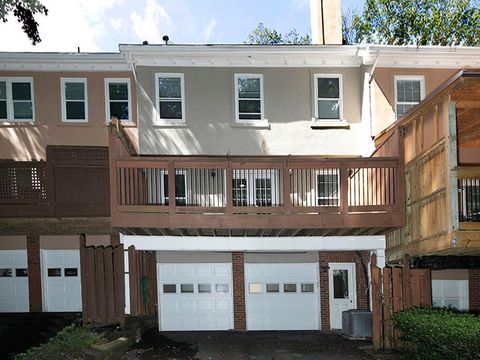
(253, 345)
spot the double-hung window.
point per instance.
(170, 97)
(249, 107)
(74, 100)
(328, 90)
(409, 91)
(118, 99)
(16, 99)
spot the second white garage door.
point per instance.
(61, 281)
(195, 296)
(282, 296)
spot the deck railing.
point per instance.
(469, 194)
(266, 185)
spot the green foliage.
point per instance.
(437, 334)
(262, 35)
(67, 344)
(419, 22)
(24, 11)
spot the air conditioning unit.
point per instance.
(357, 324)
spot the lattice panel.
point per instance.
(83, 154)
(22, 183)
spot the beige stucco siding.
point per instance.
(289, 107)
(27, 141)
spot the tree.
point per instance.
(262, 35)
(24, 11)
(419, 22)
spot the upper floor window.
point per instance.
(118, 99)
(328, 97)
(170, 95)
(249, 106)
(409, 91)
(16, 99)
(74, 100)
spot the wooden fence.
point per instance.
(395, 289)
(103, 283)
(142, 281)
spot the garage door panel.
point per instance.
(13, 283)
(208, 307)
(270, 305)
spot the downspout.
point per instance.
(370, 80)
(323, 23)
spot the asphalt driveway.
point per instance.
(253, 345)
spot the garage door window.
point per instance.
(186, 288)
(221, 288)
(71, 272)
(273, 288)
(204, 288)
(255, 288)
(6, 273)
(54, 272)
(21, 272)
(290, 288)
(169, 289)
(307, 288)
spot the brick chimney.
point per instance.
(326, 22)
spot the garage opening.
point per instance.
(13, 281)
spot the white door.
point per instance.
(13, 281)
(282, 296)
(450, 293)
(195, 296)
(61, 281)
(342, 289)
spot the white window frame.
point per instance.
(251, 178)
(340, 94)
(159, 120)
(318, 197)
(10, 101)
(109, 81)
(420, 78)
(63, 82)
(258, 122)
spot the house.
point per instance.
(54, 114)
(247, 170)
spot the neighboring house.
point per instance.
(439, 140)
(54, 114)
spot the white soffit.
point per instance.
(16, 61)
(242, 55)
(220, 243)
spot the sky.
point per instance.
(100, 25)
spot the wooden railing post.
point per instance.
(343, 187)
(229, 188)
(50, 181)
(287, 187)
(171, 188)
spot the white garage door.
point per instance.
(61, 280)
(282, 296)
(195, 296)
(450, 293)
(13, 281)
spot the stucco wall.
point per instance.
(289, 107)
(27, 141)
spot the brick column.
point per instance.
(239, 313)
(361, 280)
(34, 274)
(474, 290)
(115, 239)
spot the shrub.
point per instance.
(67, 344)
(431, 334)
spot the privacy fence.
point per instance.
(396, 288)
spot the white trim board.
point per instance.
(224, 243)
